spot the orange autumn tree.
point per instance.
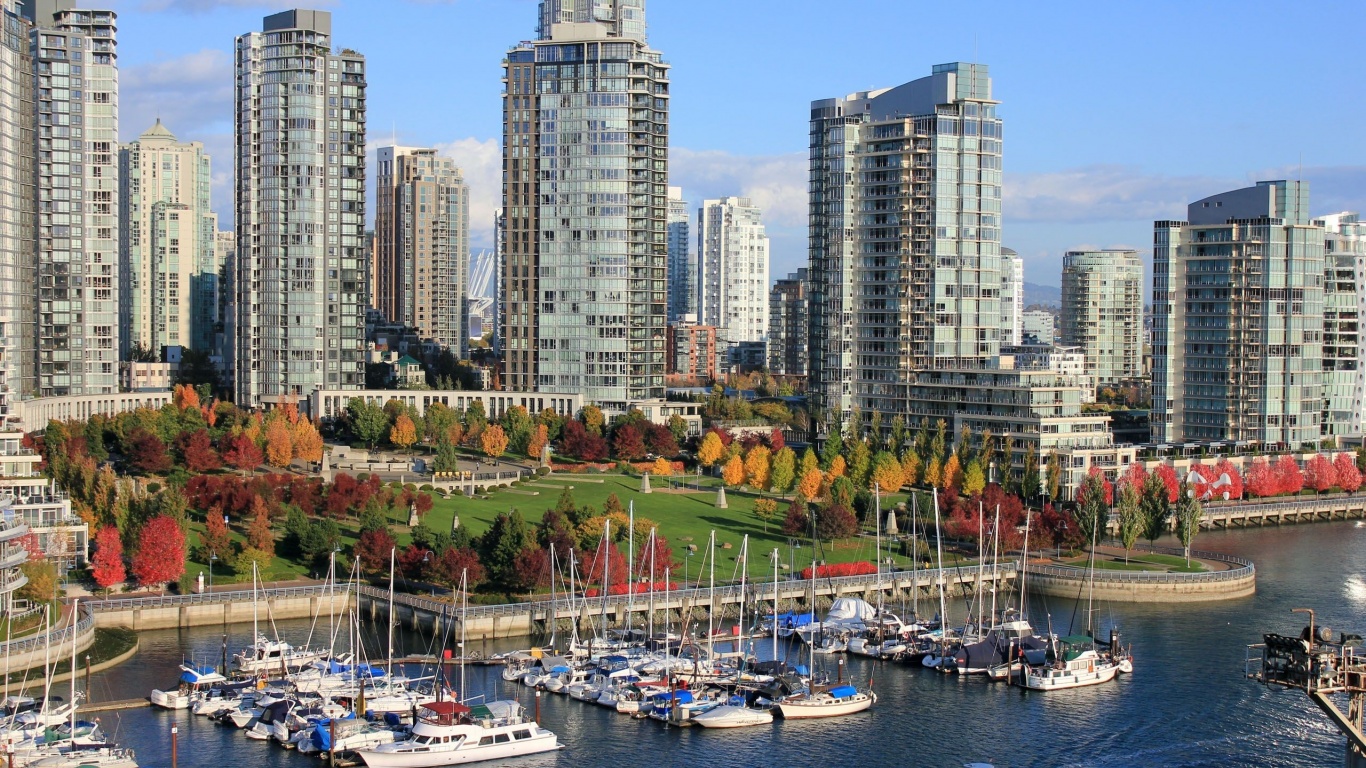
(539, 440)
(734, 472)
(404, 433)
(493, 441)
(662, 467)
(837, 468)
(308, 444)
(279, 443)
(810, 484)
(184, 396)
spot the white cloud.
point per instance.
(481, 161)
(1104, 193)
(776, 183)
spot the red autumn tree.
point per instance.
(161, 552)
(448, 568)
(1319, 474)
(583, 444)
(627, 443)
(662, 560)
(1135, 476)
(1235, 478)
(1349, 476)
(242, 453)
(1109, 487)
(530, 570)
(413, 561)
(148, 454)
(1168, 475)
(199, 453)
(107, 564)
(1289, 479)
(259, 534)
(216, 539)
(1261, 481)
(836, 522)
(660, 441)
(372, 550)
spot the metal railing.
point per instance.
(203, 598)
(55, 639)
(1241, 570)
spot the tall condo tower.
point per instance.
(1012, 298)
(682, 261)
(732, 249)
(17, 148)
(167, 259)
(301, 286)
(422, 244)
(585, 191)
(1102, 312)
(1238, 319)
(76, 72)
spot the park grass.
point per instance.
(683, 518)
(1145, 561)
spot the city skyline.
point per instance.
(1067, 185)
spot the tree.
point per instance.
(455, 563)
(1349, 477)
(837, 467)
(593, 419)
(933, 472)
(833, 449)
(860, 463)
(734, 472)
(1156, 506)
(1030, 486)
(251, 558)
(493, 441)
(259, 534)
(198, 452)
(758, 467)
(308, 444)
(910, 467)
(678, 427)
(184, 396)
(242, 453)
(1261, 481)
(367, 421)
(810, 484)
(518, 425)
(628, 444)
(765, 510)
(1289, 479)
(404, 432)
(372, 550)
(1131, 519)
(1319, 474)
(1189, 513)
(447, 457)
(279, 443)
(1092, 507)
(540, 438)
(711, 450)
(1167, 474)
(161, 552)
(974, 481)
(216, 539)
(798, 518)
(887, 473)
(500, 546)
(148, 454)
(662, 467)
(953, 470)
(809, 462)
(836, 522)
(42, 581)
(107, 564)
(784, 470)
(1234, 489)
(660, 441)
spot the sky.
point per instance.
(1116, 114)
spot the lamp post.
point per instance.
(213, 558)
(687, 558)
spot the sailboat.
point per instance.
(265, 655)
(818, 701)
(739, 710)
(453, 733)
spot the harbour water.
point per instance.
(1187, 703)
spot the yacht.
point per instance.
(195, 684)
(450, 733)
(1076, 662)
(840, 700)
(269, 655)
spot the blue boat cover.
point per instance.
(682, 697)
(559, 670)
(193, 677)
(842, 691)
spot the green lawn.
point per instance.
(683, 518)
(1145, 561)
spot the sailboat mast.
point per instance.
(995, 561)
(877, 546)
(464, 612)
(630, 561)
(1091, 590)
(939, 546)
(75, 612)
(744, 575)
(711, 595)
(775, 603)
(653, 548)
(554, 619)
(391, 609)
(1024, 565)
(915, 559)
(605, 548)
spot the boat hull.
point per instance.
(1077, 679)
(733, 717)
(807, 710)
(548, 742)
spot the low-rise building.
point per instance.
(146, 377)
(28, 497)
(1068, 361)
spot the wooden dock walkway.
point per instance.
(115, 706)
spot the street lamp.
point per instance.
(213, 558)
(687, 558)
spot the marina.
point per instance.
(1191, 657)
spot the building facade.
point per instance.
(27, 497)
(789, 322)
(732, 272)
(682, 259)
(694, 353)
(168, 244)
(1238, 319)
(1102, 312)
(75, 63)
(1344, 301)
(301, 281)
(422, 249)
(1012, 298)
(585, 240)
(18, 145)
(1040, 325)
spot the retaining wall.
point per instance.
(173, 611)
(1144, 587)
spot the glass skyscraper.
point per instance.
(1102, 312)
(585, 243)
(301, 284)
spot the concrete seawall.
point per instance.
(145, 614)
(1239, 580)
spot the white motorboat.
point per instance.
(840, 700)
(1076, 664)
(195, 683)
(104, 757)
(350, 735)
(450, 733)
(734, 714)
(270, 655)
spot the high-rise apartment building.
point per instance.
(77, 236)
(422, 244)
(1012, 298)
(18, 146)
(682, 261)
(1040, 324)
(1102, 312)
(168, 245)
(585, 193)
(1238, 319)
(1344, 301)
(732, 272)
(789, 322)
(905, 190)
(302, 269)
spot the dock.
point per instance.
(115, 706)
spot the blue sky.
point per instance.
(1116, 114)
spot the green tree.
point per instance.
(860, 463)
(1189, 513)
(438, 420)
(765, 510)
(593, 419)
(1029, 481)
(974, 481)
(1054, 486)
(447, 458)
(1131, 520)
(503, 542)
(367, 421)
(834, 446)
(784, 470)
(518, 425)
(1156, 506)
(809, 462)
(896, 441)
(678, 428)
(1091, 508)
